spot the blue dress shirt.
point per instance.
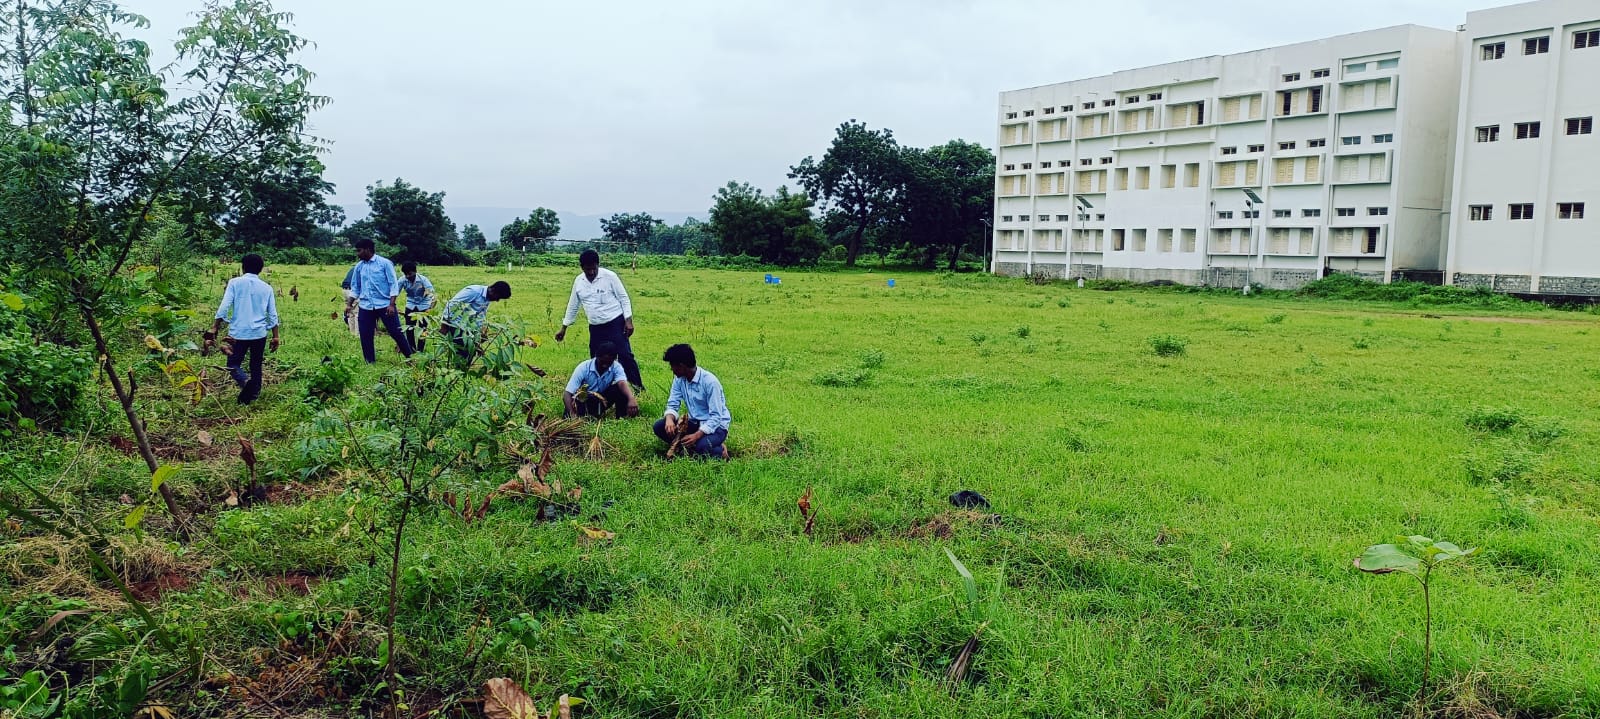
(249, 308)
(419, 293)
(467, 309)
(702, 398)
(374, 283)
(597, 381)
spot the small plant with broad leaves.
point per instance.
(1417, 556)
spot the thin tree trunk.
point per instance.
(853, 247)
(387, 671)
(125, 398)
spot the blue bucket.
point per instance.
(891, 283)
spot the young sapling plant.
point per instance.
(1417, 556)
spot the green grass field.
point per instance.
(1175, 535)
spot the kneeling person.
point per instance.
(604, 384)
(705, 409)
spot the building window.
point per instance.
(1317, 143)
(1345, 212)
(1490, 133)
(1086, 161)
(1580, 125)
(1044, 164)
(1480, 213)
(1011, 116)
(1005, 218)
(1153, 96)
(1099, 217)
(1282, 213)
(1527, 130)
(1224, 214)
(1230, 150)
(1105, 160)
(1377, 211)
(1107, 103)
(1027, 166)
(1522, 211)
(1011, 167)
(1320, 73)
(1355, 67)
(1382, 139)
(1352, 140)
(1063, 218)
(1131, 100)
(1536, 45)
(1257, 148)
(1494, 51)
(1250, 214)
(1569, 210)
(1292, 77)
(1286, 145)
(1389, 64)
(1049, 111)
(1585, 38)
(1311, 213)
(1024, 218)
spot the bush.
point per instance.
(331, 379)
(842, 377)
(1022, 332)
(1350, 287)
(40, 382)
(1493, 419)
(872, 359)
(1169, 345)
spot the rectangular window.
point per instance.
(1580, 125)
(1250, 214)
(1307, 241)
(1315, 104)
(1382, 139)
(1063, 218)
(1569, 210)
(1317, 143)
(1024, 218)
(1117, 240)
(1523, 211)
(1527, 130)
(1348, 167)
(1227, 173)
(1311, 213)
(1153, 96)
(1141, 178)
(1086, 161)
(1351, 140)
(1131, 100)
(1258, 148)
(1122, 178)
(1388, 64)
(1230, 109)
(1536, 45)
(1169, 176)
(1191, 175)
(1480, 213)
(1377, 211)
(1292, 77)
(1585, 38)
(1139, 240)
(1044, 165)
(1010, 167)
(1320, 73)
(1100, 217)
(1011, 116)
(1313, 171)
(1286, 145)
(1027, 113)
(1005, 218)
(1105, 160)
(1280, 214)
(1107, 103)
(1224, 214)
(1252, 172)
(1027, 166)
(1345, 211)
(1188, 240)
(1230, 150)
(1283, 170)
(1493, 51)
(1355, 67)
(1489, 133)
(1049, 111)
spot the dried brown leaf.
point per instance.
(232, 499)
(483, 508)
(590, 535)
(546, 463)
(564, 707)
(513, 486)
(574, 493)
(527, 473)
(204, 438)
(503, 699)
(247, 452)
(805, 503)
(52, 622)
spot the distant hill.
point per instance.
(491, 219)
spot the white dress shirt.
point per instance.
(603, 300)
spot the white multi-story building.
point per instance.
(1527, 185)
(1268, 167)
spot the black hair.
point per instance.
(605, 348)
(252, 263)
(363, 244)
(501, 289)
(409, 266)
(679, 354)
(589, 257)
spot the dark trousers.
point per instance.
(412, 323)
(616, 333)
(708, 446)
(249, 385)
(615, 399)
(367, 321)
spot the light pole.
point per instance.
(988, 242)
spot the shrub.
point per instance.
(872, 359)
(331, 379)
(978, 338)
(1169, 345)
(1493, 419)
(1022, 332)
(1276, 319)
(842, 377)
(40, 382)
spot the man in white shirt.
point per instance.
(250, 309)
(609, 311)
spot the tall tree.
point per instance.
(406, 216)
(778, 228)
(949, 192)
(472, 238)
(691, 235)
(534, 233)
(629, 230)
(282, 204)
(860, 176)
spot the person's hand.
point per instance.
(561, 334)
(209, 335)
(389, 310)
(273, 345)
(627, 327)
(633, 407)
(690, 440)
(672, 424)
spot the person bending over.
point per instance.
(704, 416)
(598, 383)
(466, 315)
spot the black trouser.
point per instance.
(249, 387)
(411, 330)
(367, 321)
(616, 332)
(594, 408)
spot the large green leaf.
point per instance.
(162, 474)
(1385, 558)
(966, 578)
(13, 302)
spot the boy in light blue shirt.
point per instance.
(603, 383)
(376, 288)
(702, 428)
(250, 309)
(466, 313)
(419, 299)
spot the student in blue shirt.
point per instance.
(704, 409)
(376, 288)
(466, 312)
(419, 299)
(251, 311)
(606, 383)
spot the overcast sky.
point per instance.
(630, 105)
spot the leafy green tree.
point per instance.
(95, 142)
(778, 229)
(406, 216)
(630, 230)
(283, 204)
(690, 236)
(472, 238)
(532, 234)
(860, 176)
(949, 192)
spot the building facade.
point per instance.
(1526, 178)
(1403, 151)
